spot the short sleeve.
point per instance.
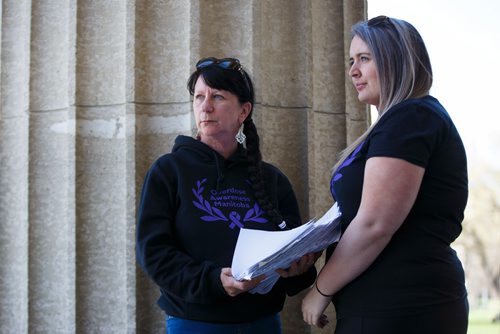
(412, 132)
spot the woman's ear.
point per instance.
(246, 108)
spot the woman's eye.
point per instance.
(364, 58)
(218, 97)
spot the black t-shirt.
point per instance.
(418, 268)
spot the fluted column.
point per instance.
(14, 166)
(102, 183)
(225, 29)
(285, 87)
(327, 123)
(327, 118)
(51, 191)
(162, 108)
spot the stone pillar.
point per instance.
(285, 86)
(327, 129)
(14, 139)
(162, 109)
(327, 117)
(51, 172)
(101, 181)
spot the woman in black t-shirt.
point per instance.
(402, 188)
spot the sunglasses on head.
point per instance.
(224, 63)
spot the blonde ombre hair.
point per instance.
(402, 62)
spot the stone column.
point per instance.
(285, 87)
(327, 129)
(327, 117)
(162, 109)
(101, 181)
(51, 176)
(14, 166)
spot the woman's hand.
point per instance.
(301, 266)
(234, 287)
(313, 308)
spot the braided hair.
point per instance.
(239, 83)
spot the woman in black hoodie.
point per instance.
(194, 202)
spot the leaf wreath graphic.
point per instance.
(202, 204)
(255, 215)
(214, 214)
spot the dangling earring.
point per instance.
(240, 136)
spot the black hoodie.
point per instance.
(192, 207)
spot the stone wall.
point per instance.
(92, 91)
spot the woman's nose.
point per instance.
(354, 71)
(207, 105)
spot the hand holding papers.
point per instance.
(262, 252)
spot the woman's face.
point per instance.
(363, 72)
(218, 113)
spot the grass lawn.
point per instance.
(480, 319)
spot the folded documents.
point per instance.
(260, 252)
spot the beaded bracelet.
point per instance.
(321, 293)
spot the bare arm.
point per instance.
(389, 191)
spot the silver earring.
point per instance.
(240, 136)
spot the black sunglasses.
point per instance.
(224, 63)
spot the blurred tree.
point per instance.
(480, 239)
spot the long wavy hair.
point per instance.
(402, 62)
(240, 84)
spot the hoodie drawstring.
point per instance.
(220, 174)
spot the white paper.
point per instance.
(262, 252)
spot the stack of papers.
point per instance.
(262, 252)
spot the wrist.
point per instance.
(319, 291)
